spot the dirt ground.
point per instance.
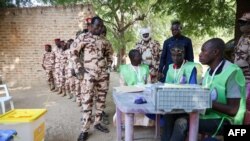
(63, 116)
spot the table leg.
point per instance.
(129, 127)
(118, 124)
(157, 125)
(193, 126)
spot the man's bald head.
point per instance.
(216, 43)
(212, 51)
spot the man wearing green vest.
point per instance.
(227, 84)
(182, 71)
(135, 74)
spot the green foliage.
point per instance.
(200, 17)
(18, 3)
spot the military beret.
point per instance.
(47, 45)
(57, 39)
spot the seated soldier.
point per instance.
(135, 74)
(227, 85)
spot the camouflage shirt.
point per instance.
(150, 52)
(63, 59)
(57, 57)
(97, 51)
(242, 51)
(242, 55)
(49, 60)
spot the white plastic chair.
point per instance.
(4, 97)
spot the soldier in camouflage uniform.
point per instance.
(69, 83)
(97, 59)
(63, 71)
(242, 52)
(48, 65)
(75, 84)
(57, 71)
(150, 50)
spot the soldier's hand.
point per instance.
(81, 70)
(63, 72)
(43, 66)
(108, 70)
(73, 73)
(151, 66)
(160, 75)
(80, 73)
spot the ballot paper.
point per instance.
(129, 89)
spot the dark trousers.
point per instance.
(176, 127)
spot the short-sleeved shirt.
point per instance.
(232, 88)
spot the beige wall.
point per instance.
(23, 34)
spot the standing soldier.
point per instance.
(242, 52)
(150, 50)
(63, 73)
(103, 36)
(48, 65)
(77, 79)
(69, 79)
(97, 59)
(57, 63)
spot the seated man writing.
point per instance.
(135, 74)
(227, 85)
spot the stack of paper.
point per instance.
(129, 89)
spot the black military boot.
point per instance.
(105, 118)
(101, 128)
(83, 136)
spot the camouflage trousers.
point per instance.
(69, 82)
(96, 87)
(49, 76)
(56, 74)
(62, 81)
(73, 86)
(78, 86)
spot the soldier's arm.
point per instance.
(137, 46)
(78, 43)
(109, 54)
(77, 64)
(157, 54)
(43, 61)
(53, 58)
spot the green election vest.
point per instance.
(131, 77)
(219, 83)
(174, 75)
